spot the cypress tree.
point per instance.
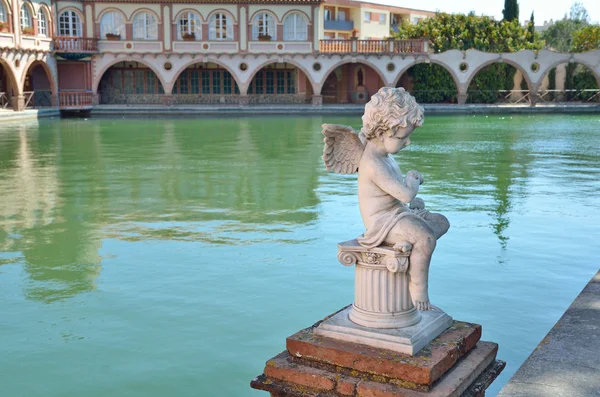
(511, 10)
(531, 29)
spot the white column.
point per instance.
(243, 23)
(318, 28)
(167, 27)
(89, 21)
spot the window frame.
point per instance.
(365, 19)
(146, 22)
(25, 17)
(215, 26)
(187, 28)
(260, 21)
(115, 28)
(72, 24)
(294, 34)
(382, 18)
(42, 22)
(3, 12)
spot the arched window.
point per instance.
(145, 26)
(112, 22)
(3, 13)
(69, 24)
(25, 17)
(295, 28)
(220, 27)
(264, 25)
(190, 26)
(42, 22)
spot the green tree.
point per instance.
(559, 36)
(511, 10)
(531, 29)
(586, 39)
(464, 32)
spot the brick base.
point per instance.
(454, 363)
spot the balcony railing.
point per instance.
(75, 100)
(71, 44)
(338, 25)
(4, 100)
(374, 46)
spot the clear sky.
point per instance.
(544, 10)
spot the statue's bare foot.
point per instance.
(422, 306)
(419, 295)
(403, 246)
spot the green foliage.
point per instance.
(486, 84)
(586, 39)
(463, 32)
(511, 10)
(432, 84)
(552, 79)
(531, 29)
(579, 78)
(560, 36)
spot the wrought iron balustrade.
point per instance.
(70, 44)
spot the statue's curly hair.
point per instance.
(389, 108)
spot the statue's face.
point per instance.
(399, 140)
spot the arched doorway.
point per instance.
(351, 83)
(130, 82)
(8, 88)
(429, 83)
(498, 83)
(205, 82)
(280, 83)
(38, 87)
(569, 82)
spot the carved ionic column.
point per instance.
(381, 295)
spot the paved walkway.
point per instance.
(567, 361)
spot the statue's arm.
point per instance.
(404, 190)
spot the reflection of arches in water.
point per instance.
(351, 83)
(61, 257)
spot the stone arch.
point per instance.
(300, 12)
(193, 11)
(222, 11)
(515, 65)
(40, 96)
(565, 87)
(264, 11)
(315, 86)
(345, 61)
(303, 82)
(102, 71)
(111, 9)
(12, 88)
(34, 62)
(437, 63)
(208, 59)
(560, 62)
(143, 9)
(349, 82)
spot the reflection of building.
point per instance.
(79, 53)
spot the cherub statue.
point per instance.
(390, 117)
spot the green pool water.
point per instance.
(171, 257)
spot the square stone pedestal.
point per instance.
(407, 340)
(453, 364)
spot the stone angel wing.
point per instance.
(343, 148)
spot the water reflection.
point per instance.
(69, 185)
